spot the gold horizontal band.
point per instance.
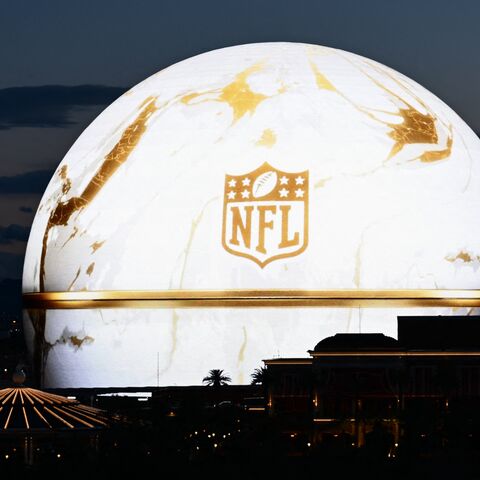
(251, 298)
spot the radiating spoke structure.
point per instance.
(31, 409)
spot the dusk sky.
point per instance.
(63, 62)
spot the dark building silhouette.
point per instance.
(373, 391)
(356, 401)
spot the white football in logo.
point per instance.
(264, 184)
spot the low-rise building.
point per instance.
(368, 389)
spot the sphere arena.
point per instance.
(279, 167)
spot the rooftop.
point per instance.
(357, 341)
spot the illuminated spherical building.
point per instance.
(237, 183)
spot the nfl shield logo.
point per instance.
(265, 214)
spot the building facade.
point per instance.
(370, 390)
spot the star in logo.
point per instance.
(231, 195)
(246, 182)
(232, 183)
(283, 192)
(245, 194)
(299, 180)
(284, 180)
(299, 193)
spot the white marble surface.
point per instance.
(143, 347)
(393, 202)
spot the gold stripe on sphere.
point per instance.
(251, 298)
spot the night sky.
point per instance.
(63, 62)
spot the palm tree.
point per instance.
(216, 378)
(259, 376)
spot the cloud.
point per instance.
(25, 209)
(50, 105)
(12, 233)
(30, 182)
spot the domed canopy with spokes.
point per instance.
(23, 408)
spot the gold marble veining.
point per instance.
(175, 316)
(436, 155)
(62, 212)
(237, 94)
(240, 96)
(415, 127)
(241, 353)
(195, 222)
(322, 182)
(358, 262)
(349, 321)
(464, 256)
(67, 338)
(467, 312)
(268, 138)
(321, 80)
(186, 99)
(67, 183)
(470, 158)
(62, 173)
(71, 236)
(90, 268)
(75, 278)
(96, 245)
(78, 342)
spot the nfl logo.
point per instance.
(265, 214)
